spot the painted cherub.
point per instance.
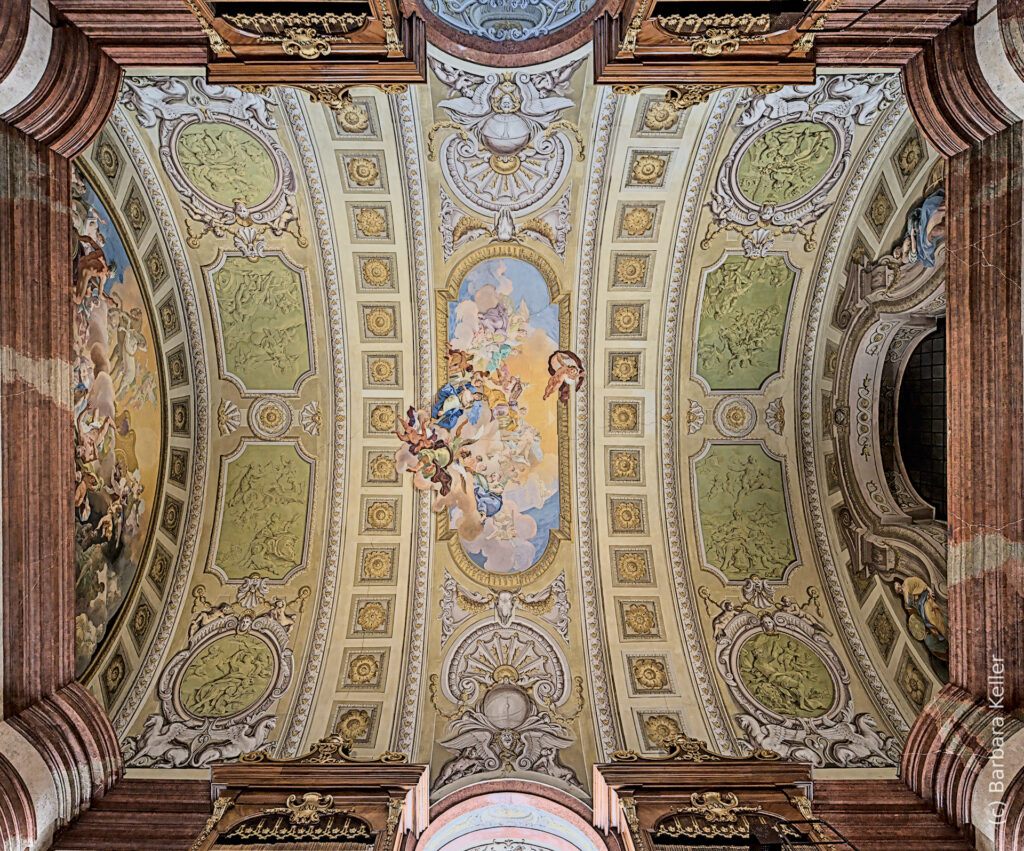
(567, 373)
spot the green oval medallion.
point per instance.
(786, 676)
(786, 162)
(226, 163)
(227, 677)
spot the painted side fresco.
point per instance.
(118, 415)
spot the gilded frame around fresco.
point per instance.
(448, 295)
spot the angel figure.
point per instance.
(567, 373)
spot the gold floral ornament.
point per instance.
(382, 467)
(363, 171)
(380, 321)
(352, 117)
(625, 465)
(626, 320)
(627, 516)
(371, 222)
(353, 725)
(881, 209)
(623, 417)
(637, 221)
(382, 417)
(649, 674)
(661, 728)
(910, 156)
(661, 115)
(624, 368)
(648, 168)
(640, 619)
(140, 621)
(631, 567)
(363, 669)
(372, 617)
(271, 417)
(114, 675)
(382, 370)
(380, 515)
(376, 272)
(631, 270)
(377, 564)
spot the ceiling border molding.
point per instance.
(704, 678)
(608, 724)
(405, 113)
(307, 681)
(806, 443)
(193, 511)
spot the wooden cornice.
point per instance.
(137, 32)
(74, 97)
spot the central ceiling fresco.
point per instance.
(506, 422)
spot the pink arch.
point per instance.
(521, 793)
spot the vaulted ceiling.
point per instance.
(637, 356)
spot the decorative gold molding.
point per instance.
(330, 750)
(306, 35)
(220, 806)
(217, 44)
(711, 815)
(628, 804)
(629, 38)
(683, 748)
(391, 39)
(713, 35)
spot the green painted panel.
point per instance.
(742, 508)
(263, 322)
(263, 525)
(742, 321)
(786, 162)
(226, 163)
(227, 677)
(786, 675)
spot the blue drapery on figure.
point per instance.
(922, 249)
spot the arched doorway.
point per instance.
(502, 815)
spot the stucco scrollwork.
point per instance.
(219, 150)
(793, 148)
(217, 695)
(791, 686)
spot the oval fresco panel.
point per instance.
(786, 162)
(227, 677)
(226, 163)
(493, 442)
(785, 675)
(118, 419)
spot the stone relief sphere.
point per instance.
(506, 707)
(505, 134)
(226, 163)
(227, 677)
(786, 162)
(785, 675)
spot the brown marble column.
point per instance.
(954, 740)
(58, 751)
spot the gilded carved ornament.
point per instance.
(308, 36)
(334, 749)
(683, 748)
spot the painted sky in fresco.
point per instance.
(117, 421)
